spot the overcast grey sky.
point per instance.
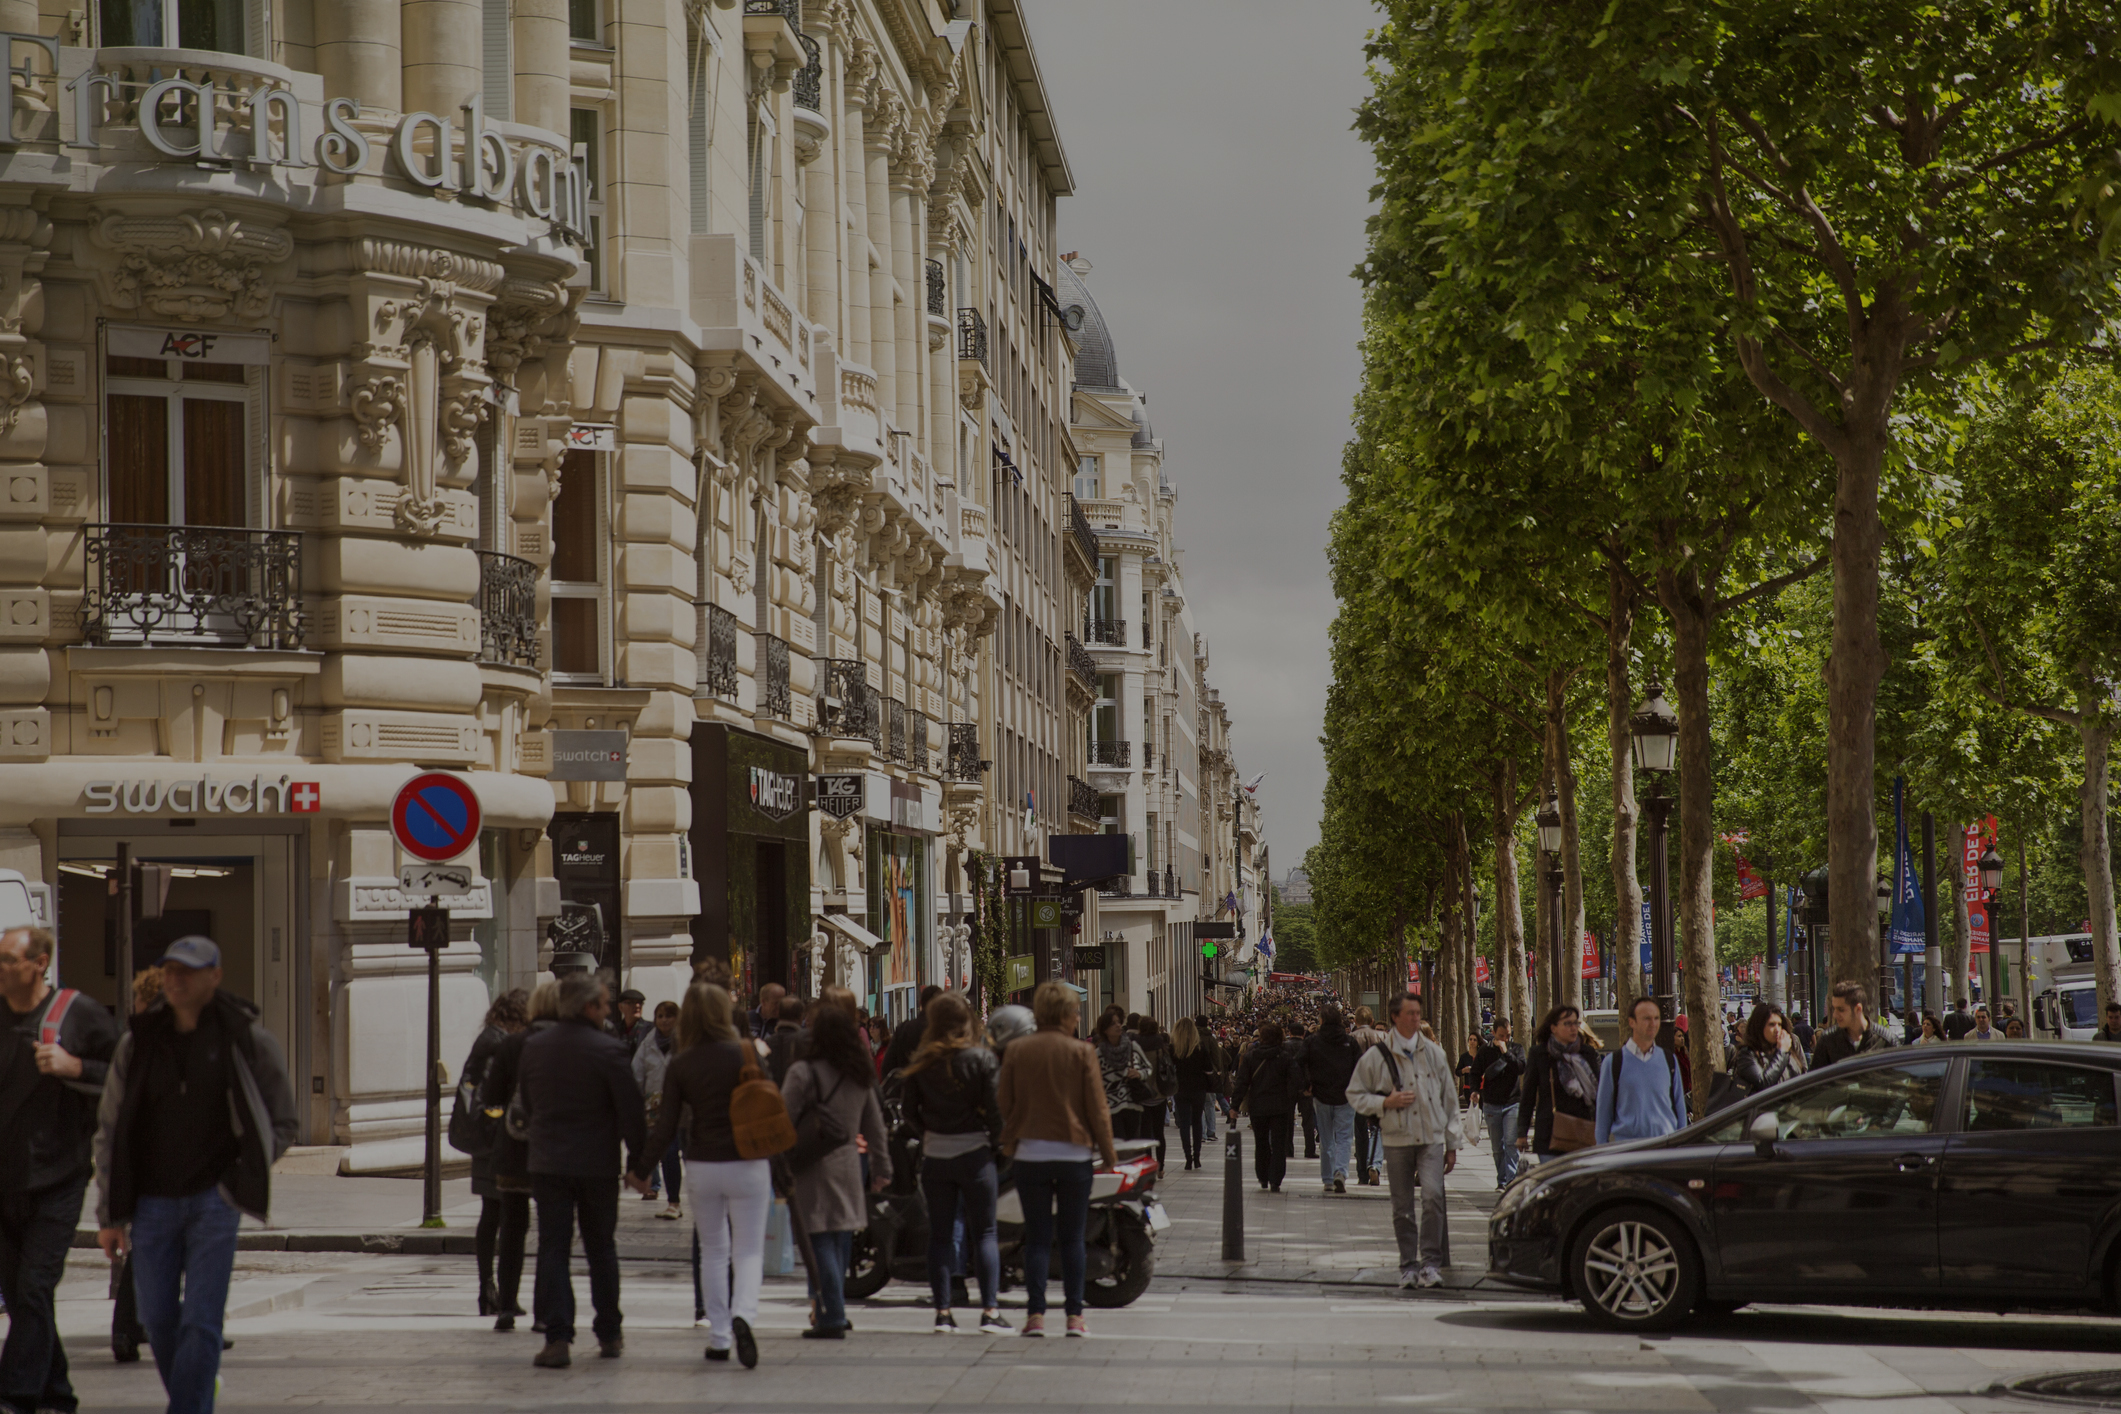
(1220, 196)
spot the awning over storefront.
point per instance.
(870, 944)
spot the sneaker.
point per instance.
(945, 1323)
(1428, 1277)
(612, 1349)
(1078, 1328)
(714, 1354)
(1406, 1277)
(1340, 1185)
(991, 1323)
(1034, 1326)
(747, 1349)
(671, 1214)
(553, 1357)
(824, 1332)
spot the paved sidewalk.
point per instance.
(1304, 1234)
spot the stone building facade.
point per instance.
(657, 414)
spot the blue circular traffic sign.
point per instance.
(435, 817)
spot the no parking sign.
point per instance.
(435, 817)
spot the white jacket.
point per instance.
(1422, 1068)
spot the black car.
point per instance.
(1963, 1175)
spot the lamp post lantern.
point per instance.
(1885, 942)
(1549, 822)
(1655, 729)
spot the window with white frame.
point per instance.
(700, 48)
(581, 615)
(585, 21)
(1086, 479)
(177, 443)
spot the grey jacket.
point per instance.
(828, 1194)
(262, 1106)
(1421, 1067)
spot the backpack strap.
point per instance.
(55, 1016)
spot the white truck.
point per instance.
(2065, 994)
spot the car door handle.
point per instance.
(1908, 1163)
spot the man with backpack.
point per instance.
(1406, 1085)
(1329, 1056)
(58, 1046)
(1641, 1094)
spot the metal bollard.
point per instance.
(1233, 1195)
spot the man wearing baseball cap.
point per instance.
(196, 1109)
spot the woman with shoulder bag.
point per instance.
(1770, 1054)
(732, 1195)
(472, 1131)
(836, 1077)
(951, 1102)
(1558, 1111)
(509, 1161)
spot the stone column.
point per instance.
(540, 33)
(444, 43)
(358, 52)
(910, 312)
(876, 164)
(853, 220)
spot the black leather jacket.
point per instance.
(1756, 1070)
(957, 1096)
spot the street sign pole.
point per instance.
(435, 818)
(431, 1214)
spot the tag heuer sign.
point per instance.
(839, 796)
(776, 794)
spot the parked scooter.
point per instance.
(1119, 1241)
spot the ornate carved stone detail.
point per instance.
(192, 265)
(377, 405)
(467, 272)
(18, 381)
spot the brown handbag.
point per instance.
(1569, 1133)
(758, 1116)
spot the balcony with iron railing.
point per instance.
(1085, 534)
(917, 740)
(964, 763)
(971, 336)
(938, 293)
(1121, 887)
(1106, 632)
(789, 10)
(717, 652)
(179, 584)
(1082, 800)
(896, 743)
(1115, 754)
(849, 710)
(775, 700)
(508, 610)
(1081, 663)
(808, 86)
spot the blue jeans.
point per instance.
(1369, 1144)
(1336, 1129)
(183, 1252)
(962, 1186)
(36, 1229)
(1039, 1185)
(828, 1279)
(673, 1171)
(1502, 1130)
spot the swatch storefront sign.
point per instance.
(203, 795)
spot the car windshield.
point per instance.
(1896, 1100)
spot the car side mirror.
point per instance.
(1764, 1131)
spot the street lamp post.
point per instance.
(1991, 867)
(1549, 822)
(1885, 941)
(1655, 728)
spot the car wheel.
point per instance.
(1636, 1269)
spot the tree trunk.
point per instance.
(1687, 606)
(2097, 855)
(1509, 909)
(1562, 772)
(1627, 887)
(1854, 668)
(1469, 945)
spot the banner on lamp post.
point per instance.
(1909, 915)
(1974, 842)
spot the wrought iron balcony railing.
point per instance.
(717, 651)
(850, 708)
(938, 296)
(917, 740)
(1122, 887)
(808, 86)
(1079, 526)
(150, 584)
(964, 762)
(508, 610)
(1082, 799)
(1081, 663)
(775, 700)
(1111, 753)
(789, 10)
(971, 335)
(895, 737)
(1112, 632)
